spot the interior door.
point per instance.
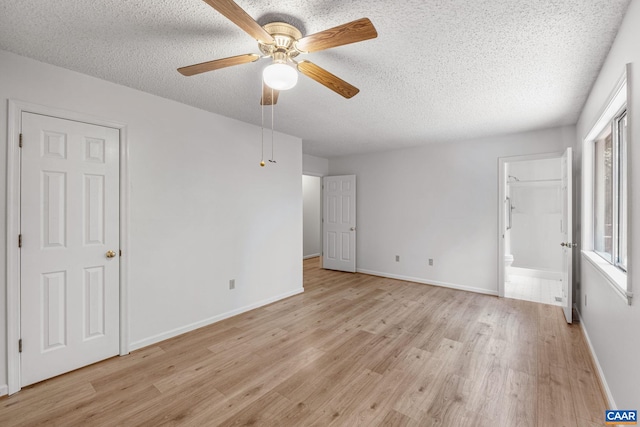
(69, 258)
(339, 223)
(567, 234)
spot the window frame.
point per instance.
(620, 158)
(616, 201)
(598, 157)
(613, 110)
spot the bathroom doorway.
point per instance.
(532, 229)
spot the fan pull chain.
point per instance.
(273, 112)
(262, 130)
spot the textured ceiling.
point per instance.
(440, 70)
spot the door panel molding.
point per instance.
(15, 110)
(339, 223)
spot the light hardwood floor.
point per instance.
(352, 350)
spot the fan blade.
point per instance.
(217, 64)
(351, 32)
(324, 77)
(238, 16)
(269, 96)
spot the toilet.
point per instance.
(508, 260)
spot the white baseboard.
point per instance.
(532, 272)
(429, 282)
(4, 390)
(603, 380)
(188, 328)
(311, 256)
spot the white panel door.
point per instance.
(339, 223)
(567, 234)
(69, 220)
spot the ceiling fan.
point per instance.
(283, 42)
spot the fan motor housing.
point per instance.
(285, 36)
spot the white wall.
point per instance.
(202, 210)
(311, 215)
(535, 233)
(438, 201)
(612, 326)
(314, 165)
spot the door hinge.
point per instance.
(20, 345)
(120, 252)
(20, 141)
(19, 240)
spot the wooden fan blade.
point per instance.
(238, 16)
(351, 32)
(217, 64)
(269, 96)
(324, 77)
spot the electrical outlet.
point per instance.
(431, 261)
(232, 284)
(397, 258)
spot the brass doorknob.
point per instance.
(111, 254)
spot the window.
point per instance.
(605, 192)
(610, 192)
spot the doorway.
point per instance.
(535, 212)
(67, 205)
(533, 256)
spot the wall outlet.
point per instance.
(431, 261)
(232, 284)
(397, 258)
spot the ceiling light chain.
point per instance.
(262, 130)
(273, 113)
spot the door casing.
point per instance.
(15, 110)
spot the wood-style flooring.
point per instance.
(352, 350)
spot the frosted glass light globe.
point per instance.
(280, 76)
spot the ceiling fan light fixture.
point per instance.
(279, 76)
